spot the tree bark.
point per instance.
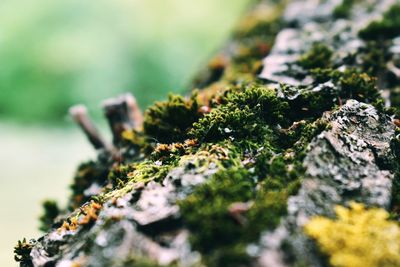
(296, 116)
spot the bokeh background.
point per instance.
(54, 54)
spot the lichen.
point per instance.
(357, 237)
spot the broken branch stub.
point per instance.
(123, 114)
(81, 117)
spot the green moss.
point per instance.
(395, 204)
(386, 28)
(141, 172)
(319, 56)
(374, 58)
(22, 252)
(51, 211)
(351, 84)
(87, 174)
(263, 185)
(143, 262)
(344, 9)
(217, 227)
(241, 113)
(309, 104)
(168, 121)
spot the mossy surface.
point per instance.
(168, 121)
(51, 211)
(386, 28)
(344, 9)
(22, 252)
(319, 56)
(245, 138)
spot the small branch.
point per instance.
(80, 115)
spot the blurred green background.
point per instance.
(54, 54)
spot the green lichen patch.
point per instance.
(358, 237)
(386, 28)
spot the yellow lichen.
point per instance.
(358, 237)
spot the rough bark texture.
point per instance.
(295, 119)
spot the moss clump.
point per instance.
(218, 228)
(344, 9)
(319, 56)
(358, 237)
(168, 121)
(88, 173)
(386, 28)
(309, 104)
(51, 211)
(351, 84)
(241, 113)
(374, 58)
(140, 172)
(395, 204)
(22, 252)
(226, 227)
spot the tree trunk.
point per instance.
(286, 154)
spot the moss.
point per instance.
(344, 9)
(51, 211)
(358, 237)
(22, 252)
(87, 174)
(374, 58)
(240, 113)
(168, 121)
(395, 204)
(140, 172)
(319, 56)
(352, 84)
(218, 228)
(143, 262)
(225, 228)
(135, 142)
(309, 104)
(386, 28)
(251, 41)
